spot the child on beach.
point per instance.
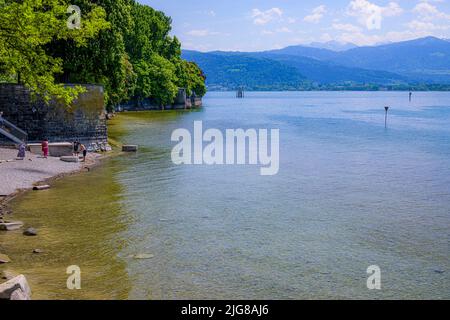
(21, 153)
(45, 148)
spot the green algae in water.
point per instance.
(78, 222)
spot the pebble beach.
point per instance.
(24, 174)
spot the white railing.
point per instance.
(12, 132)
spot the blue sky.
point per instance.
(250, 25)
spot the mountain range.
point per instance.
(423, 62)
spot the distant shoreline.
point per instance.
(336, 90)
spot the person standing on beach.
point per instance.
(84, 151)
(76, 148)
(45, 148)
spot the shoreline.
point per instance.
(7, 213)
(21, 176)
(93, 160)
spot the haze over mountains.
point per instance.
(424, 61)
(333, 45)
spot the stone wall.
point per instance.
(85, 120)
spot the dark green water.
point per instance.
(349, 194)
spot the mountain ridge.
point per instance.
(420, 61)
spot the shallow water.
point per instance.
(349, 194)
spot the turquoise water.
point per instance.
(349, 194)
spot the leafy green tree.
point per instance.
(143, 85)
(163, 80)
(191, 77)
(103, 59)
(27, 27)
(149, 33)
(122, 45)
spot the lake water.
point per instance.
(349, 194)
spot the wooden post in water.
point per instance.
(385, 117)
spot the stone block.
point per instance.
(130, 148)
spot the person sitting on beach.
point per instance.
(84, 151)
(21, 153)
(45, 148)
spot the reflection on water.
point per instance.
(349, 194)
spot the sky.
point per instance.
(250, 25)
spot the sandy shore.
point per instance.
(17, 175)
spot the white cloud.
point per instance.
(291, 20)
(371, 15)
(326, 37)
(279, 30)
(316, 15)
(347, 27)
(429, 12)
(201, 33)
(264, 17)
(425, 26)
(284, 30)
(267, 32)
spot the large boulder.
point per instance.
(15, 289)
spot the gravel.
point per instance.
(23, 174)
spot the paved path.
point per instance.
(22, 174)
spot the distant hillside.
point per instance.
(422, 61)
(426, 59)
(333, 46)
(304, 51)
(225, 72)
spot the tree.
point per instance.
(103, 60)
(149, 33)
(122, 45)
(143, 87)
(27, 27)
(163, 80)
(191, 77)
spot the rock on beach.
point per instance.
(15, 289)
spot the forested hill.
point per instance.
(422, 64)
(121, 44)
(231, 71)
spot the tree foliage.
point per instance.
(26, 27)
(156, 57)
(122, 45)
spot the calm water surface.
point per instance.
(349, 194)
